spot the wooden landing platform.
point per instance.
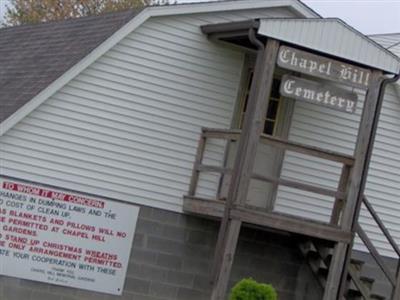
(273, 220)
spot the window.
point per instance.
(271, 117)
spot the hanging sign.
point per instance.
(64, 238)
(322, 67)
(318, 93)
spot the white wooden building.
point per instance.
(123, 121)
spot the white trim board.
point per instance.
(147, 13)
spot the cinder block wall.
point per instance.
(171, 259)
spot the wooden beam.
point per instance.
(244, 162)
(308, 150)
(335, 272)
(234, 134)
(198, 159)
(339, 201)
(356, 184)
(277, 181)
(293, 224)
(253, 122)
(363, 151)
(381, 225)
(203, 207)
(298, 185)
(375, 254)
(231, 134)
(232, 236)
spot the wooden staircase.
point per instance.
(359, 286)
(327, 241)
(359, 283)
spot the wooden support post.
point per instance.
(244, 163)
(339, 202)
(355, 188)
(198, 159)
(232, 236)
(335, 272)
(363, 151)
(396, 290)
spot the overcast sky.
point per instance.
(368, 16)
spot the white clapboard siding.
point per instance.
(321, 127)
(127, 127)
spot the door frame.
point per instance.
(284, 120)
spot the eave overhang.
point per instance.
(330, 36)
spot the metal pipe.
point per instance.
(254, 40)
(381, 94)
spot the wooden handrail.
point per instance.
(276, 181)
(381, 225)
(225, 134)
(299, 185)
(308, 150)
(375, 254)
(394, 280)
(234, 134)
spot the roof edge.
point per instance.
(355, 31)
(145, 14)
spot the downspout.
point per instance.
(381, 95)
(364, 176)
(253, 39)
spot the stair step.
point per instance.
(377, 297)
(324, 251)
(319, 255)
(382, 289)
(353, 295)
(357, 262)
(358, 283)
(369, 282)
(307, 247)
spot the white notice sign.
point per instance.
(64, 238)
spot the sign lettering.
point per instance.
(318, 93)
(64, 238)
(322, 67)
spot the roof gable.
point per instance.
(22, 93)
(334, 37)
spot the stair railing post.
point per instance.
(244, 162)
(339, 202)
(396, 290)
(355, 187)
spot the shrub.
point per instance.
(249, 289)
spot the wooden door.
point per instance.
(268, 159)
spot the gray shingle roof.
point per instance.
(33, 56)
